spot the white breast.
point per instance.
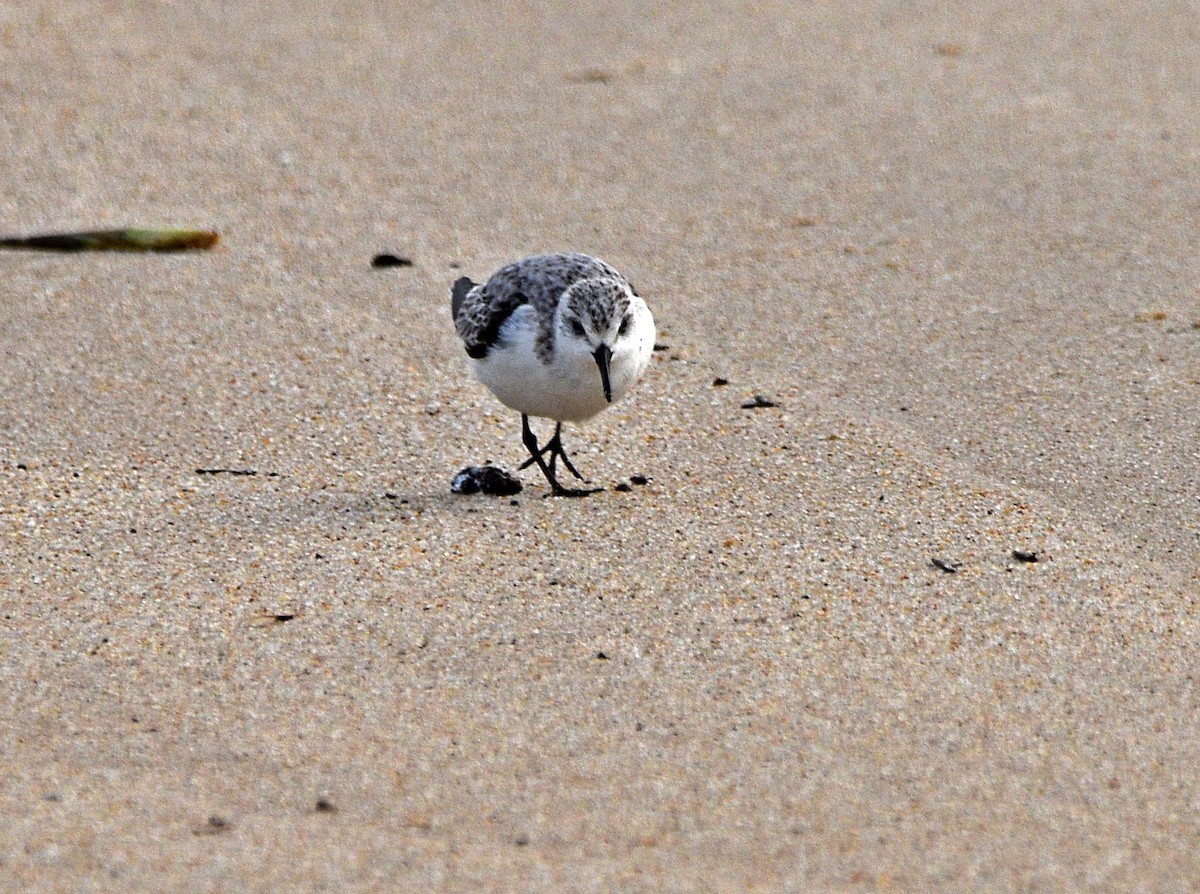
(568, 389)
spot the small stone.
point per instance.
(758, 403)
(591, 76)
(390, 260)
(490, 480)
(950, 567)
(215, 826)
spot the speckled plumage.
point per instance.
(480, 310)
(559, 336)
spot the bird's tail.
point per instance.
(458, 293)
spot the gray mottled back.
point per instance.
(480, 311)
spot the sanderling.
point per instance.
(559, 336)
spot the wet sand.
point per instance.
(957, 249)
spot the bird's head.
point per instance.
(599, 316)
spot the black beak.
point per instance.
(603, 354)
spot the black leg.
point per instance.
(555, 449)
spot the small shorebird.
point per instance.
(558, 336)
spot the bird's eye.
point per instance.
(626, 322)
(577, 329)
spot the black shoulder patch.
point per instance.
(501, 311)
(458, 292)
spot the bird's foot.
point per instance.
(553, 447)
(560, 491)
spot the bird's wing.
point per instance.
(480, 311)
(458, 292)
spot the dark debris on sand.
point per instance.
(390, 260)
(758, 403)
(490, 480)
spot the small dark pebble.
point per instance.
(661, 347)
(758, 403)
(387, 260)
(601, 656)
(639, 479)
(283, 619)
(324, 806)
(946, 566)
(235, 472)
(22, 467)
(623, 488)
(52, 796)
(591, 76)
(486, 480)
(454, 265)
(521, 840)
(719, 382)
(215, 826)
(1022, 556)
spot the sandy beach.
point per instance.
(953, 245)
